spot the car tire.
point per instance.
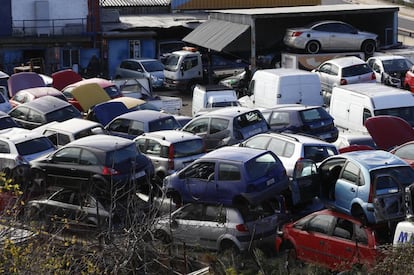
(313, 47)
(292, 261)
(368, 47)
(358, 213)
(229, 247)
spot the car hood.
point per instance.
(380, 127)
(106, 111)
(24, 80)
(61, 79)
(90, 94)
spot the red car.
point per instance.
(330, 239)
(409, 80)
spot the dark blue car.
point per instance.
(230, 176)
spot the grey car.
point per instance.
(142, 67)
(218, 227)
(330, 35)
(170, 150)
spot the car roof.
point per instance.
(374, 159)
(102, 142)
(46, 104)
(229, 111)
(41, 91)
(144, 115)
(334, 213)
(346, 61)
(234, 153)
(17, 135)
(72, 124)
(300, 138)
(388, 57)
(141, 59)
(297, 107)
(172, 136)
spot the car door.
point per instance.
(186, 224)
(311, 239)
(200, 182)
(199, 126)
(213, 226)
(59, 206)
(328, 75)
(217, 132)
(229, 182)
(343, 37)
(305, 184)
(347, 186)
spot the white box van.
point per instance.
(283, 86)
(209, 97)
(351, 105)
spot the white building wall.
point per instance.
(61, 13)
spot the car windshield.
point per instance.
(63, 114)
(188, 148)
(406, 113)
(223, 104)
(355, 70)
(172, 62)
(152, 66)
(168, 123)
(397, 65)
(122, 155)
(7, 122)
(247, 119)
(310, 115)
(404, 174)
(34, 146)
(113, 91)
(260, 166)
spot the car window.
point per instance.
(343, 28)
(200, 170)
(258, 142)
(168, 123)
(327, 27)
(154, 148)
(356, 70)
(281, 147)
(67, 155)
(405, 152)
(188, 148)
(228, 172)
(88, 201)
(136, 128)
(197, 126)
(113, 91)
(320, 224)
(65, 197)
(190, 212)
(63, 114)
(19, 112)
(33, 146)
(260, 166)
(218, 124)
(119, 125)
(352, 174)
(215, 214)
(310, 115)
(396, 65)
(88, 158)
(141, 144)
(4, 147)
(62, 139)
(120, 156)
(247, 119)
(361, 235)
(279, 119)
(344, 229)
(325, 68)
(35, 117)
(404, 174)
(152, 66)
(318, 153)
(190, 62)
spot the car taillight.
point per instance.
(343, 81)
(242, 228)
(107, 171)
(373, 76)
(171, 157)
(294, 34)
(371, 194)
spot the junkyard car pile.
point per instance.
(234, 178)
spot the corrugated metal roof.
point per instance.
(215, 34)
(134, 3)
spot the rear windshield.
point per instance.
(261, 165)
(247, 119)
(63, 114)
(314, 114)
(404, 174)
(406, 113)
(122, 155)
(7, 122)
(185, 148)
(397, 65)
(356, 70)
(318, 153)
(34, 146)
(113, 91)
(168, 123)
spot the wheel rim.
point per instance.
(313, 47)
(369, 48)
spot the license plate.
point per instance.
(139, 174)
(270, 182)
(325, 136)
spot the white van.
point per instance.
(283, 86)
(209, 97)
(351, 105)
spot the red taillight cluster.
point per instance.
(171, 157)
(242, 228)
(371, 195)
(373, 76)
(107, 171)
(295, 34)
(343, 81)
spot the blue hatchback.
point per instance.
(231, 176)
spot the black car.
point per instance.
(98, 163)
(6, 121)
(43, 110)
(297, 118)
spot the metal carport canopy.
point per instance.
(215, 34)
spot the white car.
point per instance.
(342, 71)
(330, 36)
(390, 69)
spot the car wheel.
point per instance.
(358, 213)
(368, 47)
(291, 259)
(313, 47)
(229, 247)
(162, 236)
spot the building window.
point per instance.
(70, 57)
(134, 49)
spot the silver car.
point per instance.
(170, 150)
(330, 36)
(217, 227)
